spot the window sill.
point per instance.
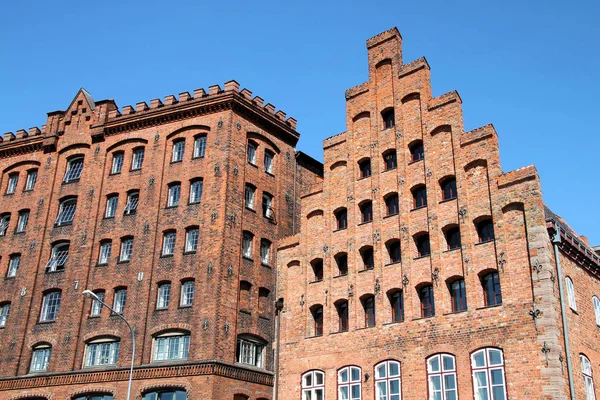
(245, 311)
(63, 225)
(123, 262)
(574, 311)
(264, 317)
(313, 337)
(266, 265)
(340, 276)
(135, 170)
(366, 270)
(252, 164)
(393, 263)
(114, 173)
(71, 181)
(166, 256)
(129, 214)
(102, 265)
(193, 203)
(184, 307)
(9, 194)
(270, 174)
(451, 250)
(486, 307)
(391, 215)
(423, 256)
(107, 218)
(317, 281)
(340, 229)
(10, 278)
(247, 258)
(176, 161)
(365, 223)
(93, 317)
(19, 233)
(415, 161)
(456, 312)
(198, 158)
(115, 314)
(55, 272)
(46, 322)
(393, 323)
(250, 209)
(27, 190)
(362, 178)
(366, 327)
(390, 169)
(171, 207)
(418, 208)
(338, 332)
(189, 253)
(486, 242)
(447, 200)
(161, 309)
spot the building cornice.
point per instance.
(572, 247)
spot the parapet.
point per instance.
(383, 36)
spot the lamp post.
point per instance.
(93, 296)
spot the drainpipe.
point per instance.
(555, 241)
(278, 308)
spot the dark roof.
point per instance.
(310, 163)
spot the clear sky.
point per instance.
(529, 67)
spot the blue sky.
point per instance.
(530, 68)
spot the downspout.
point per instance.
(278, 308)
(555, 241)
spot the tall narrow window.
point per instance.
(58, 257)
(488, 374)
(168, 243)
(423, 246)
(267, 205)
(491, 289)
(417, 152)
(111, 205)
(391, 204)
(313, 385)
(388, 117)
(178, 149)
(22, 221)
(247, 245)
(138, 158)
(387, 381)
(441, 377)
(250, 351)
(187, 293)
(349, 383)
(397, 304)
(13, 265)
(120, 300)
(164, 295)
(174, 194)
(588, 382)
(4, 222)
(13, 180)
(117, 163)
(66, 212)
(4, 313)
(196, 187)
(50, 306)
(427, 302)
(342, 263)
(342, 312)
(458, 294)
(104, 254)
(265, 252)
(341, 218)
(199, 146)
(368, 303)
(96, 309)
(40, 358)
(366, 212)
(393, 248)
(367, 256)
(419, 196)
(74, 169)
(317, 268)
(252, 153)
(171, 346)
(31, 179)
(596, 302)
(133, 199)
(452, 235)
(126, 249)
(269, 156)
(317, 315)
(390, 160)
(571, 293)
(191, 239)
(485, 230)
(250, 190)
(101, 352)
(448, 188)
(364, 167)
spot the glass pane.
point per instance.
(395, 386)
(380, 371)
(381, 390)
(451, 395)
(319, 394)
(448, 363)
(355, 374)
(394, 369)
(498, 393)
(482, 394)
(434, 364)
(356, 392)
(344, 375)
(167, 396)
(344, 393)
(495, 357)
(319, 378)
(435, 382)
(308, 380)
(450, 381)
(496, 376)
(180, 395)
(479, 359)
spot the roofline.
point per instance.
(574, 248)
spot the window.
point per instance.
(252, 153)
(269, 155)
(427, 303)
(245, 296)
(138, 159)
(388, 118)
(448, 188)
(117, 163)
(349, 383)
(22, 221)
(571, 294)
(13, 265)
(104, 254)
(596, 302)
(168, 243)
(452, 235)
(171, 346)
(417, 152)
(95, 396)
(250, 196)
(247, 245)
(31, 179)
(391, 204)
(187, 293)
(263, 300)
(50, 306)
(491, 289)
(191, 239)
(313, 385)
(423, 247)
(441, 377)
(74, 168)
(366, 253)
(342, 263)
(390, 160)
(393, 248)
(196, 187)
(341, 218)
(368, 303)
(419, 196)
(317, 268)
(133, 199)
(120, 300)
(387, 380)
(366, 212)
(317, 316)
(164, 295)
(13, 180)
(111, 205)
(174, 194)
(166, 395)
(126, 248)
(342, 311)
(488, 374)
(485, 230)
(4, 312)
(364, 167)
(265, 252)
(267, 205)
(101, 352)
(586, 371)
(458, 294)
(58, 257)
(250, 351)
(4, 222)
(66, 212)
(96, 309)
(178, 149)
(199, 146)
(397, 303)
(40, 358)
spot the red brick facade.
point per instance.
(488, 230)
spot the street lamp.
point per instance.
(93, 296)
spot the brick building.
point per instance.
(422, 270)
(169, 212)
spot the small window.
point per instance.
(427, 302)
(13, 181)
(491, 289)
(387, 380)
(50, 306)
(267, 206)
(4, 313)
(133, 200)
(187, 293)
(390, 160)
(485, 230)
(126, 249)
(250, 190)
(250, 351)
(448, 188)
(265, 252)
(458, 294)
(196, 187)
(74, 169)
(364, 167)
(170, 394)
(342, 263)
(397, 304)
(94, 396)
(252, 153)
(58, 257)
(571, 294)
(317, 316)
(111, 205)
(178, 149)
(452, 235)
(168, 243)
(488, 374)
(588, 381)
(66, 212)
(341, 218)
(417, 152)
(313, 385)
(393, 248)
(423, 246)
(199, 146)
(191, 239)
(101, 352)
(419, 196)
(31, 179)
(40, 358)
(117, 163)
(317, 268)
(96, 309)
(366, 253)
(14, 261)
(171, 346)
(366, 212)
(138, 159)
(164, 295)
(349, 383)
(22, 221)
(120, 300)
(247, 245)
(388, 117)
(368, 303)
(174, 194)
(105, 250)
(4, 222)
(342, 312)
(596, 302)
(391, 204)
(441, 377)
(269, 156)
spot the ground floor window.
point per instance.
(441, 377)
(488, 374)
(387, 380)
(169, 394)
(313, 386)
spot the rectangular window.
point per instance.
(50, 306)
(267, 205)
(126, 248)
(171, 347)
(40, 359)
(105, 249)
(74, 169)
(138, 159)
(196, 191)
(187, 293)
(199, 146)
(168, 244)
(120, 300)
(164, 295)
(133, 199)
(265, 252)
(111, 206)
(4, 312)
(250, 197)
(178, 149)
(96, 305)
(13, 180)
(66, 212)
(4, 222)
(342, 310)
(117, 164)
(269, 162)
(174, 194)
(58, 258)
(191, 240)
(369, 305)
(104, 353)
(458, 295)
(22, 222)
(247, 245)
(249, 353)
(13, 265)
(252, 153)
(397, 303)
(31, 179)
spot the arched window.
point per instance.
(368, 303)
(40, 358)
(419, 193)
(103, 351)
(341, 260)
(341, 306)
(390, 160)
(126, 249)
(14, 262)
(313, 385)
(341, 218)
(485, 230)
(452, 235)
(117, 162)
(13, 181)
(22, 221)
(586, 371)
(138, 158)
(397, 304)
(192, 233)
(120, 299)
(387, 380)
(448, 185)
(187, 293)
(417, 152)
(199, 146)
(492, 293)
(458, 294)
(4, 222)
(388, 117)
(571, 294)
(168, 248)
(366, 253)
(249, 196)
(50, 306)
(163, 296)
(391, 204)
(166, 394)
(316, 312)
(267, 206)
(269, 156)
(196, 188)
(247, 239)
(174, 194)
(488, 374)
(366, 211)
(441, 377)
(172, 345)
(265, 252)
(112, 201)
(250, 350)
(96, 309)
(133, 199)
(31, 179)
(74, 168)
(252, 153)
(66, 211)
(427, 301)
(422, 243)
(349, 383)
(596, 302)
(4, 313)
(317, 268)
(94, 396)
(178, 150)
(364, 167)
(393, 248)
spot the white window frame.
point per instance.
(96, 309)
(58, 257)
(133, 199)
(484, 390)
(4, 313)
(163, 297)
(247, 239)
(162, 346)
(120, 300)
(442, 373)
(200, 146)
(269, 158)
(137, 159)
(117, 163)
(66, 212)
(174, 195)
(13, 181)
(178, 150)
(596, 302)
(191, 240)
(14, 261)
(347, 382)
(4, 222)
(588, 380)
(31, 179)
(169, 239)
(104, 253)
(40, 358)
(187, 293)
(126, 249)
(101, 352)
(50, 306)
(74, 169)
(250, 352)
(313, 388)
(384, 381)
(252, 149)
(196, 189)
(571, 293)
(112, 202)
(22, 221)
(249, 195)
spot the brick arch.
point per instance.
(170, 327)
(31, 396)
(159, 386)
(104, 332)
(513, 206)
(337, 164)
(93, 390)
(476, 163)
(440, 129)
(188, 128)
(314, 213)
(257, 136)
(74, 146)
(411, 96)
(38, 342)
(20, 164)
(126, 142)
(361, 115)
